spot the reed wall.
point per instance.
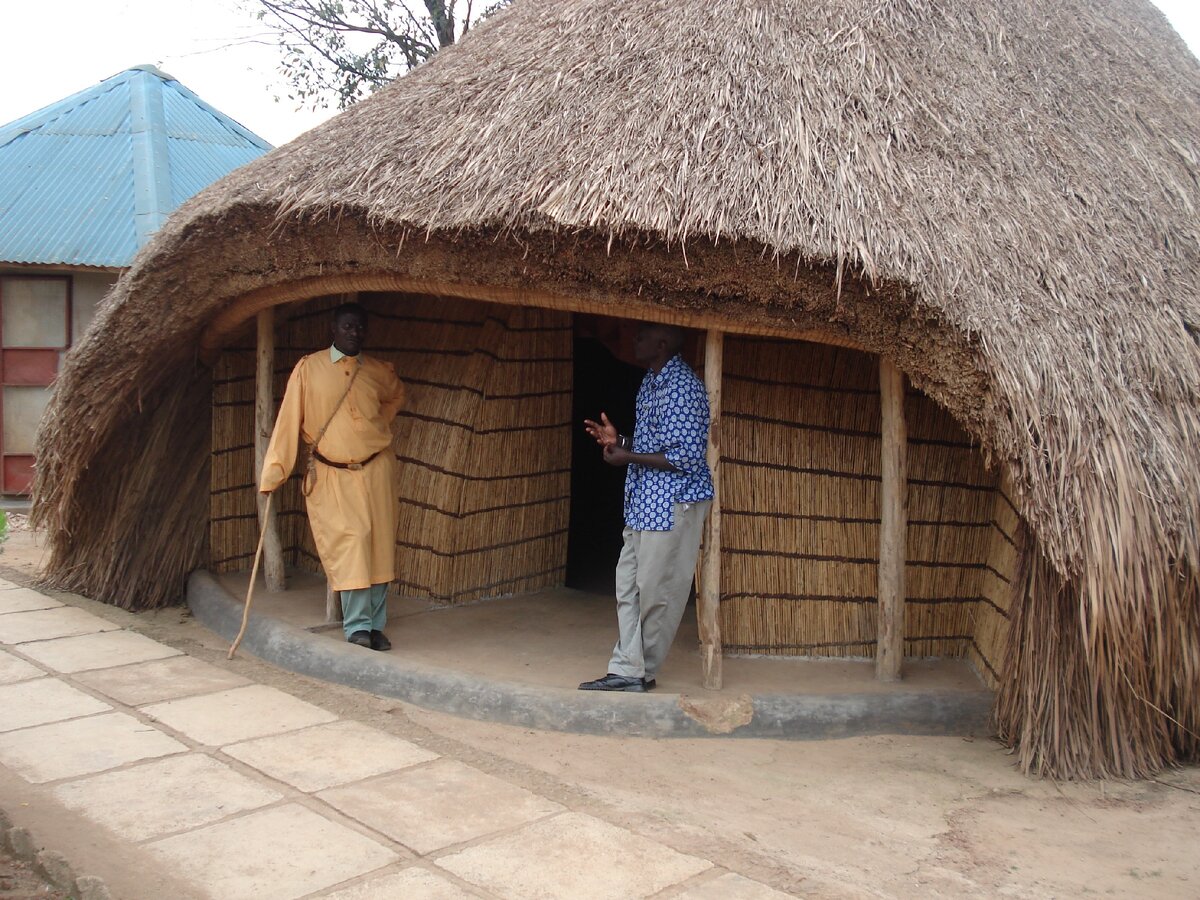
(233, 522)
(484, 448)
(999, 588)
(482, 443)
(800, 482)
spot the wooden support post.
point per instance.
(708, 600)
(893, 524)
(264, 422)
(333, 604)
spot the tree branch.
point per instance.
(326, 41)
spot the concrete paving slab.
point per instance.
(164, 679)
(6, 585)
(275, 854)
(97, 651)
(576, 856)
(438, 805)
(82, 747)
(410, 884)
(237, 715)
(42, 701)
(732, 886)
(13, 670)
(317, 758)
(164, 796)
(20, 599)
(47, 624)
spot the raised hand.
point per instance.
(603, 432)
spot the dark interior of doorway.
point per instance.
(602, 384)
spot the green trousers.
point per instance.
(364, 609)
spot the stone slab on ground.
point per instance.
(438, 805)
(20, 599)
(274, 854)
(168, 795)
(82, 747)
(410, 884)
(237, 715)
(731, 886)
(163, 679)
(573, 855)
(43, 701)
(314, 759)
(97, 651)
(47, 624)
(13, 670)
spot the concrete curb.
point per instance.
(799, 717)
(50, 864)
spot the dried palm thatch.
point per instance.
(999, 197)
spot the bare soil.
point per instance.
(887, 816)
(18, 881)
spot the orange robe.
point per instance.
(353, 514)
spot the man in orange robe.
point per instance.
(343, 403)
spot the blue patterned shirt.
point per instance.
(672, 418)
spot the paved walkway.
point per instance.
(240, 790)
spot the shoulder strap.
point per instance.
(310, 464)
(341, 400)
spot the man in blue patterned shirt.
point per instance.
(668, 490)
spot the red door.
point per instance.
(35, 329)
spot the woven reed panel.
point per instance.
(516, 495)
(233, 520)
(998, 590)
(951, 497)
(483, 443)
(800, 481)
(437, 360)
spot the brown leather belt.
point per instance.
(353, 467)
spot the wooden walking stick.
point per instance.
(253, 578)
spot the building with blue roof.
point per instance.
(84, 184)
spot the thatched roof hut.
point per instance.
(999, 199)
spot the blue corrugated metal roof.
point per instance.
(87, 180)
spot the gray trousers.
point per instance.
(364, 609)
(654, 577)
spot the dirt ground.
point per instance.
(18, 881)
(863, 817)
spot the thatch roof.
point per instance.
(1006, 195)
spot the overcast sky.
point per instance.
(215, 47)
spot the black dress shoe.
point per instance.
(362, 638)
(379, 641)
(649, 683)
(611, 682)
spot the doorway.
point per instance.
(603, 383)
